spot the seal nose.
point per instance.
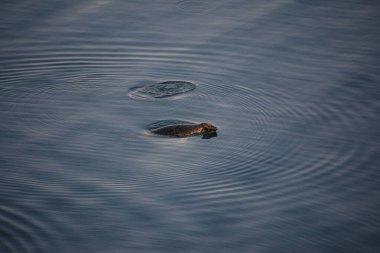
(209, 127)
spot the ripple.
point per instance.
(266, 151)
(21, 232)
(168, 122)
(161, 90)
(195, 6)
(49, 105)
(298, 140)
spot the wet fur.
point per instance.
(185, 130)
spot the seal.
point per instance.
(187, 130)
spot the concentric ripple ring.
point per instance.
(161, 90)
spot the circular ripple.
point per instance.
(161, 90)
(289, 139)
(195, 6)
(22, 232)
(51, 104)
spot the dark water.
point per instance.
(293, 87)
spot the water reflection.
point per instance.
(292, 85)
(209, 135)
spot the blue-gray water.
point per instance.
(293, 87)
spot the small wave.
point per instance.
(20, 232)
(164, 123)
(195, 6)
(161, 90)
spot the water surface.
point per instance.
(293, 87)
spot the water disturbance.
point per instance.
(161, 90)
(169, 122)
(292, 87)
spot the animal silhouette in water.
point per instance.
(186, 130)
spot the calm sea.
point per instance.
(293, 87)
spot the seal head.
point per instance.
(207, 127)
